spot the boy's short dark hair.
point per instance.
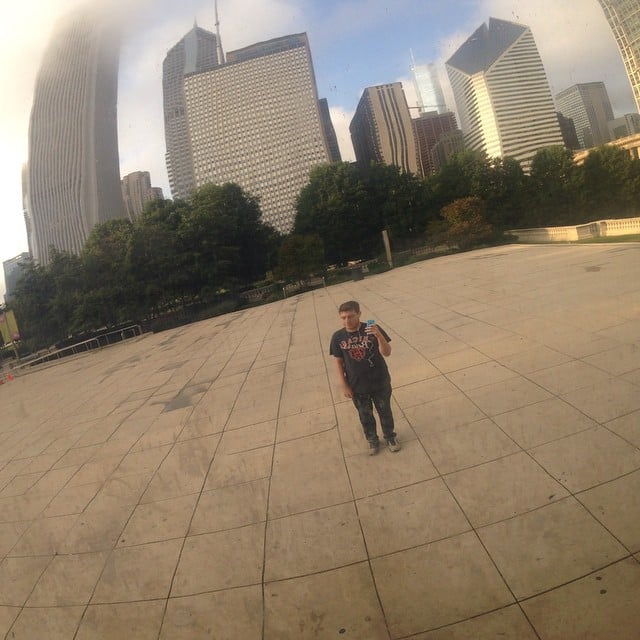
(350, 305)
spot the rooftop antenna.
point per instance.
(220, 51)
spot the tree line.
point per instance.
(348, 206)
(182, 254)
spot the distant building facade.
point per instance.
(588, 105)
(627, 125)
(428, 128)
(624, 19)
(195, 53)
(448, 145)
(502, 93)
(137, 191)
(630, 144)
(568, 131)
(72, 181)
(12, 271)
(381, 128)
(428, 88)
(256, 121)
(329, 131)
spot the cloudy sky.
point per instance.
(354, 44)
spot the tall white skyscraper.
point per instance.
(194, 53)
(256, 121)
(624, 19)
(72, 181)
(428, 88)
(502, 93)
(588, 105)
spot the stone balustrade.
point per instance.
(599, 228)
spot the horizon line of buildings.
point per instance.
(255, 118)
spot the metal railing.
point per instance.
(97, 342)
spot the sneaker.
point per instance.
(374, 447)
(393, 445)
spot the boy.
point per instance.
(359, 352)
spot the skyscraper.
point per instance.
(256, 121)
(589, 107)
(194, 53)
(381, 128)
(428, 128)
(624, 20)
(72, 181)
(626, 125)
(12, 272)
(502, 93)
(137, 191)
(329, 131)
(428, 88)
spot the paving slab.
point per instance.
(211, 482)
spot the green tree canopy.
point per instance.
(157, 258)
(300, 257)
(333, 205)
(553, 188)
(32, 301)
(225, 237)
(349, 207)
(109, 296)
(607, 183)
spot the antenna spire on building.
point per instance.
(220, 51)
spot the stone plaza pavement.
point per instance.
(209, 482)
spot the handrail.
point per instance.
(83, 346)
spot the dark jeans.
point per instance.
(364, 403)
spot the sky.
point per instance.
(354, 44)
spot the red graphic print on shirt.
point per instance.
(357, 346)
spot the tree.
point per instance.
(504, 195)
(109, 292)
(67, 278)
(156, 258)
(397, 201)
(300, 257)
(553, 188)
(467, 224)
(606, 183)
(224, 237)
(32, 302)
(334, 206)
(466, 174)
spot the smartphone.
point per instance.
(370, 322)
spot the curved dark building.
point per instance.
(73, 177)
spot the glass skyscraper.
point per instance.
(624, 19)
(428, 88)
(194, 53)
(72, 181)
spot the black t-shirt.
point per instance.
(365, 367)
